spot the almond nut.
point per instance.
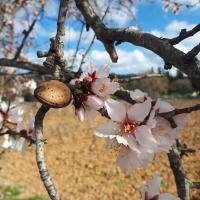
(53, 93)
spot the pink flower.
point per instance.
(10, 113)
(103, 87)
(164, 134)
(93, 89)
(152, 191)
(129, 128)
(80, 113)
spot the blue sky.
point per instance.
(150, 17)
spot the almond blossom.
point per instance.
(94, 89)
(129, 127)
(162, 131)
(18, 141)
(164, 134)
(152, 191)
(13, 142)
(10, 113)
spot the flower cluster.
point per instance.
(138, 131)
(16, 136)
(92, 90)
(152, 191)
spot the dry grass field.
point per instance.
(84, 169)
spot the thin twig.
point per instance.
(194, 185)
(78, 44)
(26, 34)
(43, 170)
(93, 38)
(177, 111)
(184, 34)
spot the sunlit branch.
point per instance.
(43, 170)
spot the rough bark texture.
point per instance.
(176, 165)
(44, 174)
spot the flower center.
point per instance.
(128, 127)
(103, 88)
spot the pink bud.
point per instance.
(80, 113)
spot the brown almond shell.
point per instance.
(53, 93)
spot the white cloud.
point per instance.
(72, 35)
(134, 61)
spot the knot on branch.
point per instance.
(54, 59)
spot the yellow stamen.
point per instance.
(102, 88)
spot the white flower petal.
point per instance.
(109, 129)
(154, 186)
(80, 113)
(121, 140)
(127, 160)
(103, 72)
(3, 106)
(180, 120)
(104, 87)
(143, 190)
(138, 95)
(132, 143)
(145, 138)
(164, 106)
(113, 87)
(139, 111)
(94, 102)
(116, 110)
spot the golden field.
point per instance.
(83, 168)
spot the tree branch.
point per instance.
(55, 57)
(195, 185)
(184, 34)
(176, 165)
(93, 38)
(24, 65)
(177, 111)
(44, 174)
(60, 35)
(161, 47)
